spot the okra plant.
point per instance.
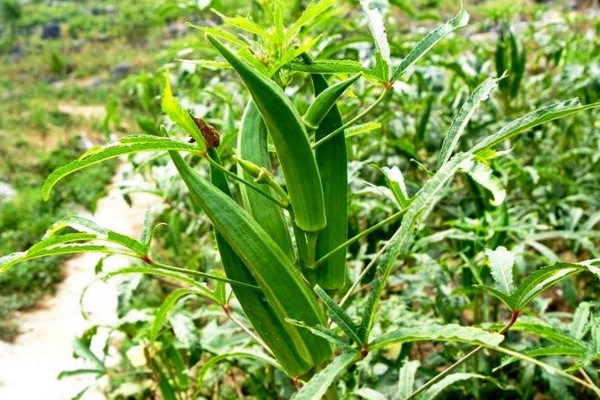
(280, 215)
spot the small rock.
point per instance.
(121, 70)
(175, 30)
(106, 10)
(51, 31)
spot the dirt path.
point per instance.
(29, 367)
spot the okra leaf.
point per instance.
(339, 316)
(181, 117)
(383, 66)
(548, 332)
(395, 181)
(448, 380)
(501, 266)
(11, 260)
(235, 354)
(461, 19)
(316, 387)
(356, 130)
(441, 333)
(506, 299)
(245, 24)
(176, 276)
(457, 128)
(528, 121)
(323, 332)
(85, 225)
(330, 67)
(406, 378)
(369, 394)
(581, 321)
(544, 352)
(419, 207)
(312, 11)
(126, 145)
(543, 278)
(484, 176)
(166, 307)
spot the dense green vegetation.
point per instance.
(466, 263)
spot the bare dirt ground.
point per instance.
(29, 366)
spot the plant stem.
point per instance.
(359, 236)
(245, 329)
(202, 274)
(513, 318)
(353, 120)
(362, 275)
(245, 182)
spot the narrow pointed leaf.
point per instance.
(544, 278)
(166, 307)
(448, 380)
(581, 321)
(316, 388)
(126, 145)
(534, 118)
(457, 128)
(181, 117)
(461, 19)
(406, 378)
(339, 316)
(501, 266)
(439, 333)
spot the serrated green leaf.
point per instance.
(501, 266)
(484, 176)
(534, 118)
(419, 207)
(457, 128)
(369, 394)
(448, 380)
(85, 225)
(506, 299)
(395, 181)
(312, 11)
(339, 316)
(181, 117)
(542, 279)
(444, 333)
(166, 274)
(126, 145)
(330, 67)
(316, 387)
(11, 260)
(581, 321)
(461, 19)
(406, 378)
(548, 332)
(166, 307)
(377, 28)
(325, 333)
(544, 352)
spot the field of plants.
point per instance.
(357, 199)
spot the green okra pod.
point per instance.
(290, 139)
(284, 289)
(325, 101)
(255, 160)
(265, 321)
(332, 160)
